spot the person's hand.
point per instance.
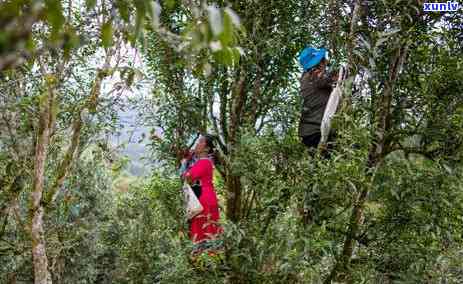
(187, 178)
(323, 147)
(187, 154)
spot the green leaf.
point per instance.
(30, 44)
(222, 57)
(236, 55)
(90, 4)
(123, 8)
(71, 41)
(138, 21)
(54, 15)
(226, 37)
(170, 4)
(228, 56)
(447, 169)
(107, 34)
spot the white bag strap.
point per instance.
(331, 107)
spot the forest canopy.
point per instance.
(385, 205)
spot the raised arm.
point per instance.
(327, 80)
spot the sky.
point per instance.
(129, 140)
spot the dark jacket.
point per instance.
(315, 93)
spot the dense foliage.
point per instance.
(385, 206)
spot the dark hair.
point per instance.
(210, 142)
(311, 72)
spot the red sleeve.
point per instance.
(199, 169)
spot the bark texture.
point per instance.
(39, 257)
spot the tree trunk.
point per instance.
(375, 156)
(39, 257)
(334, 15)
(351, 69)
(233, 182)
(351, 36)
(65, 164)
(233, 198)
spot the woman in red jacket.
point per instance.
(204, 227)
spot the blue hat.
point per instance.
(311, 57)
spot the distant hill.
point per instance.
(131, 138)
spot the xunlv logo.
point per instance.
(441, 7)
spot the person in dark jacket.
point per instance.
(315, 90)
(316, 87)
